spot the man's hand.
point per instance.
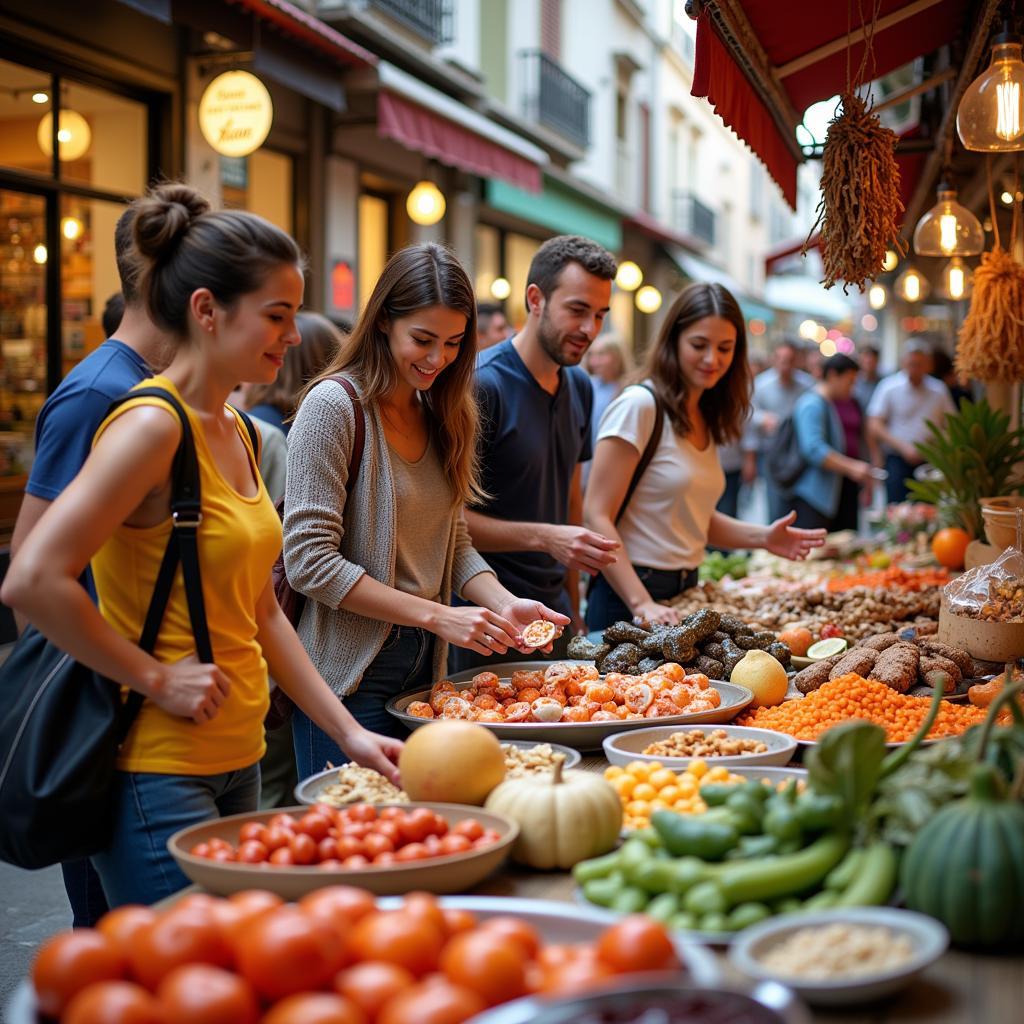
(578, 548)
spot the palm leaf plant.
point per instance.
(976, 455)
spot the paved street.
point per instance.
(32, 907)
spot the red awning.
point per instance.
(453, 144)
(295, 22)
(792, 58)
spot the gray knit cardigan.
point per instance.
(340, 643)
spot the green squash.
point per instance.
(966, 866)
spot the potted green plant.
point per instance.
(975, 455)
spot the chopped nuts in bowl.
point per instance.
(525, 758)
(349, 784)
(697, 743)
(676, 746)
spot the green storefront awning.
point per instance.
(697, 269)
(560, 209)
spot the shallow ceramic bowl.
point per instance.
(623, 747)
(453, 873)
(928, 937)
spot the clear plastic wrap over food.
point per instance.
(994, 592)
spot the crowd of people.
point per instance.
(432, 495)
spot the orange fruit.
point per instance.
(949, 547)
(797, 640)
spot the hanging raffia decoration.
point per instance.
(991, 340)
(859, 212)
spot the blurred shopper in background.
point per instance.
(900, 409)
(827, 493)
(492, 325)
(868, 377)
(943, 369)
(607, 364)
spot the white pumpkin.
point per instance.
(563, 818)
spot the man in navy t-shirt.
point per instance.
(64, 432)
(535, 404)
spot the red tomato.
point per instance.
(384, 860)
(398, 938)
(580, 976)
(283, 856)
(240, 909)
(490, 836)
(327, 849)
(347, 846)
(391, 813)
(329, 812)
(314, 825)
(516, 929)
(455, 843)
(285, 821)
(183, 935)
(122, 924)
(491, 964)
(637, 943)
(433, 845)
(413, 851)
(223, 856)
(315, 1008)
(200, 994)
(216, 843)
(331, 864)
(417, 825)
(362, 812)
(358, 829)
(357, 860)
(440, 827)
(468, 827)
(274, 838)
(372, 983)
(201, 850)
(424, 905)
(252, 852)
(250, 830)
(375, 844)
(303, 848)
(388, 829)
(339, 905)
(456, 921)
(114, 1002)
(71, 961)
(289, 951)
(432, 1002)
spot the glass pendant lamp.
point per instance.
(990, 118)
(948, 228)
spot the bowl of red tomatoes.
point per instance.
(384, 848)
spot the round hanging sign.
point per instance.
(235, 113)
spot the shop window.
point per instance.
(261, 183)
(486, 261)
(519, 251)
(23, 322)
(88, 273)
(374, 217)
(24, 101)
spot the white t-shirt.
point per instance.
(906, 409)
(665, 525)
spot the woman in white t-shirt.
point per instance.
(697, 373)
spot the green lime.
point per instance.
(826, 648)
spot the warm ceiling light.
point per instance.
(501, 289)
(911, 286)
(877, 296)
(808, 329)
(827, 348)
(891, 261)
(989, 118)
(948, 228)
(39, 254)
(71, 228)
(956, 279)
(629, 276)
(648, 299)
(73, 134)
(1006, 198)
(425, 204)
(40, 97)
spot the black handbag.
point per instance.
(62, 723)
(785, 461)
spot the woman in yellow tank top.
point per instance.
(225, 287)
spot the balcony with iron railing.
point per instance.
(431, 19)
(553, 98)
(693, 218)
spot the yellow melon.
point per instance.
(451, 762)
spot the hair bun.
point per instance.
(164, 217)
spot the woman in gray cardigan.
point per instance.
(380, 557)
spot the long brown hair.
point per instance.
(415, 278)
(726, 406)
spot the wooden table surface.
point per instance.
(960, 988)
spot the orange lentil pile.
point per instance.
(848, 697)
(893, 578)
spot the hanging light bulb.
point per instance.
(877, 296)
(74, 136)
(911, 285)
(501, 289)
(956, 279)
(425, 204)
(990, 118)
(648, 299)
(629, 277)
(948, 228)
(891, 260)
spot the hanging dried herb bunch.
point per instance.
(991, 340)
(860, 204)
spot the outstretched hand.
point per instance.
(791, 542)
(372, 750)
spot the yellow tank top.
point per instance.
(239, 539)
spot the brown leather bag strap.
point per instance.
(648, 453)
(359, 438)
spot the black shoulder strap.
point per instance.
(255, 437)
(182, 546)
(648, 453)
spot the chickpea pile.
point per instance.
(647, 786)
(697, 743)
(850, 696)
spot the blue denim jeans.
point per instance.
(604, 606)
(85, 892)
(148, 809)
(404, 662)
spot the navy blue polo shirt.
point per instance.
(531, 443)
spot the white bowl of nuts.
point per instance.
(841, 956)
(676, 746)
